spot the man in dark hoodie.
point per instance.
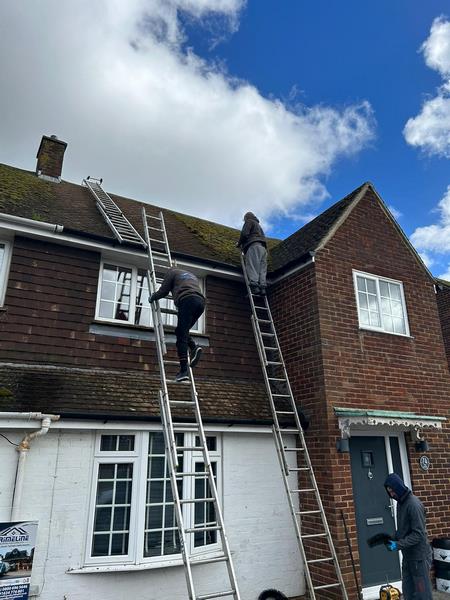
(252, 242)
(411, 539)
(190, 303)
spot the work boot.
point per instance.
(182, 375)
(196, 354)
(263, 290)
(254, 288)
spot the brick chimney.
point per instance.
(50, 158)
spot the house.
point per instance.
(443, 298)
(358, 322)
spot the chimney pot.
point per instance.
(50, 158)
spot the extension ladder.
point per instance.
(159, 259)
(311, 527)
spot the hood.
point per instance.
(396, 483)
(250, 216)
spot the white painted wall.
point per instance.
(56, 492)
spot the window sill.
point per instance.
(162, 564)
(372, 330)
(136, 332)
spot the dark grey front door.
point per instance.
(373, 511)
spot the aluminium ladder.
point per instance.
(159, 259)
(311, 527)
(114, 217)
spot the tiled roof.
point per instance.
(305, 240)
(99, 392)
(23, 194)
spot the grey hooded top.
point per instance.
(411, 534)
(251, 232)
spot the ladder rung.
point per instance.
(171, 362)
(203, 561)
(157, 241)
(182, 402)
(328, 585)
(274, 362)
(152, 217)
(155, 228)
(194, 500)
(285, 412)
(204, 528)
(313, 535)
(281, 395)
(302, 490)
(183, 425)
(270, 348)
(298, 469)
(193, 448)
(191, 474)
(266, 333)
(289, 431)
(293, 449)
(307, 512)
(276, 379)
(216, 595)
(318, 560)
(264, 320)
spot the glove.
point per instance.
(152, 298)
(391, 545)
(237, 245)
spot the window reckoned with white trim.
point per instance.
(132, 518)
(5, 257)
(123, 294)
(381, 304)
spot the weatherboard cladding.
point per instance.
(25, 195)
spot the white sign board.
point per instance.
(17, 543)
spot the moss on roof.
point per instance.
(24, 189)
(220, 238)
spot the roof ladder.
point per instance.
(117, 221)
(159, 258)
(310, 522)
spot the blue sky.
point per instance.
(216, 107)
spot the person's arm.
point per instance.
(245, 232)
(418, 531)
(165, 289)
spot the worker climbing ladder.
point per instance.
(159, 260)
(323, 574)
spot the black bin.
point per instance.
(441, 556)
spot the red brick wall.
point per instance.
(50, 305)
(366, 369)
(443, 299)
(331, 362)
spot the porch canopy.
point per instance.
(355, 418)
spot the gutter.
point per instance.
(23, 449)
(53, 228)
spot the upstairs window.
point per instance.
(5, 254)
(123, 298)
(381, 304)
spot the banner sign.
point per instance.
(17, 543)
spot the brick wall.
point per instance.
(331, 362)
(50, 305)
(443, 299)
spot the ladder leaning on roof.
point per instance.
(159, 259)
(311, 527)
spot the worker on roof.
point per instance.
(190, 302)
(252, 242)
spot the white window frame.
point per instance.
(377, 279)
(4, 268)
(199, 328)
(139, 458)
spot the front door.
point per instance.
(373, 509)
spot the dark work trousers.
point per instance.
(416, 580)
(190, 308)
(256, 264)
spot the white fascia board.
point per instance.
(104, 424)
(43, 231)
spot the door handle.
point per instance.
(390, 507)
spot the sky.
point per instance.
(217, 107)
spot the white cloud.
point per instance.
(395, 213)
(430, 129)
(446, 274)
(435, 238)
(157, 122)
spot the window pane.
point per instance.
(373, 304)
(364, 317)
(159, 506)
(115, 292)
(371, 286)
(374, 319)
(142, 314)
(112, 519)
(399, 325)
(394, 291)
(387, 323)
(211, 442)
(204, 512)
(396, 308)
(384, 288)
(108, 443)
(362, 300)
(361, 283)
(126, 443)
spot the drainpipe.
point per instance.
(23, 449)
